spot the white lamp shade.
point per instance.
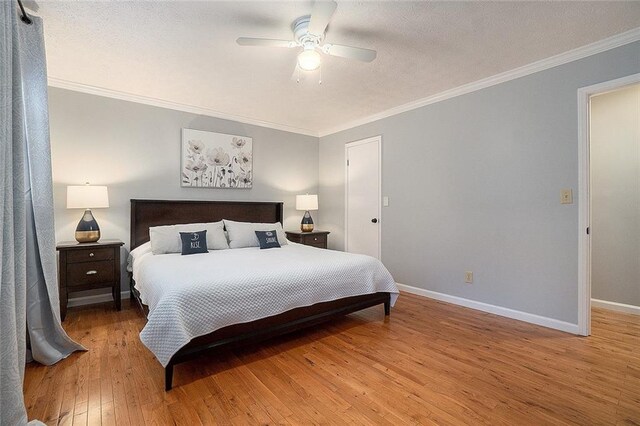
(307, 202)
(87, 197)
(309, 60)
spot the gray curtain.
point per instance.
(49, 342)
(29, 289)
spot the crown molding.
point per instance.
(544, 64)
(146, 100)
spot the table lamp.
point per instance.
(87, 197)
(306, 202)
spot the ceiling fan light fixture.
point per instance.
(309, 60)
(309, 33)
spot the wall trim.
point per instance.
(147, 100)
(96, 298)
(493, 309)
(615, 306)
(534, 67)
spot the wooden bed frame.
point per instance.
(147, 213)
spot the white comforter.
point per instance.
(189, 296)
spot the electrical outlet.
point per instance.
(566, 196)
(468, 277)
(385, 201)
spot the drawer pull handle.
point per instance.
(90, 254)
(315, 239)
(92, 272)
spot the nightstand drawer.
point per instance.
(93, 255)
(90, 273)
(313, 240)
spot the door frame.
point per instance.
(348, 145)
(584, 191)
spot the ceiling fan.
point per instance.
(308, 33)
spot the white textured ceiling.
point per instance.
(185, 52)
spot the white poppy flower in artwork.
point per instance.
(196, 146)
(246, 179)
(196, 166)
(217, 157)
(238, 142)
(244, 159)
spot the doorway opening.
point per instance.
(609, 201)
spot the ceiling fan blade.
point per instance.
(265, 42)
(321, 15)
(358, 53)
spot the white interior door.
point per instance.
(362, 198)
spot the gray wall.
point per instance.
(134, 149)
(474, 185)
(615, 196)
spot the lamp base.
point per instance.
(88, 230)
(307, 222)
(87, 236)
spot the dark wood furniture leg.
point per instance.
(168, 377)
(117, 296)
(387, 306)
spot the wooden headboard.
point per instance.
(146, 213)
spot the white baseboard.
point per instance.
(97, 298)
(615, 306)
(492, 309)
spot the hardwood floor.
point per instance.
(429, 363)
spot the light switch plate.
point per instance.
(566, 196)
(385, 201)
(468, 277)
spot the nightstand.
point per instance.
(86, 266)
(313, 238)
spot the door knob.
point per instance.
(374, 220)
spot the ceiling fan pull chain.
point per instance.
(320, 70)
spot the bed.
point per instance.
(174, 342)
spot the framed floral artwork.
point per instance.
(216, 160)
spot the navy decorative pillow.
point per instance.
(268, 239)
(194, 242)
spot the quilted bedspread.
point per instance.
(189, 296)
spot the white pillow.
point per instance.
(137, 253)
(166, 239)
(243, 234)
